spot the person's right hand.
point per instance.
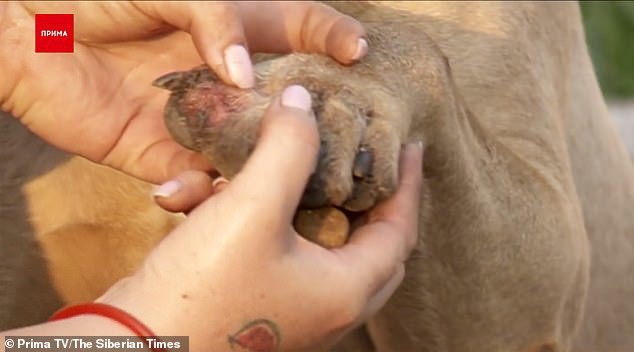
(99, 102)
(236, 273)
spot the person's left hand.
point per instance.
(235, 274)
(98, 102)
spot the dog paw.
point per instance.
(358, 123)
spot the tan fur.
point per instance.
(90, 237)
(522, 167)
(92, 224)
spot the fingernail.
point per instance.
(239, 66)
(296, 97)
(167, 189)
(219, 181)
(362, 49)
(417, 145)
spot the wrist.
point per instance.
(153, 308)
(82, 325)
(168, 312)
(87, 325)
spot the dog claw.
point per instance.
(362, 163)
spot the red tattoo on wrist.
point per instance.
(260, 335)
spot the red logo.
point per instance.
(54, 33)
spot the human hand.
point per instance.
(236, 268)
(99, 103)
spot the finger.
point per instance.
(142, 156)
(377, 248)
(402, 208)
(184, 192)
(219, 184)
(284, 157)
(302, 26)
(217, 32)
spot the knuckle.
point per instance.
(227, 19)
(225, 8)
(316, 25)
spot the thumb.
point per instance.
(217, 32)
(273, 179)
(261, 199)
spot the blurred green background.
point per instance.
(610, 35)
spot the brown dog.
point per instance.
(523, 175)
